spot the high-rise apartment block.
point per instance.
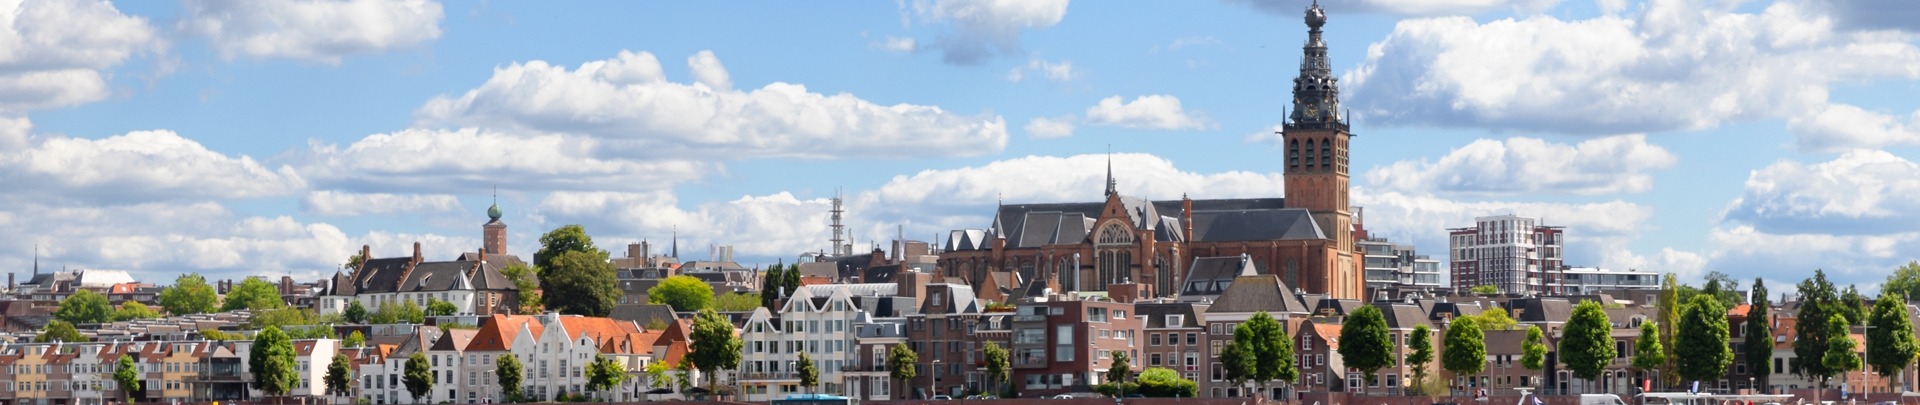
(1512, 253)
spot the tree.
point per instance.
(1533, 350)
(684, 293)
(84, 306)
(1702, 341)
(770, 287)
(1723, 288)
(901, 362)
(189, 295)
(355, 339)
(790, 279)
(1237, 361)
(1485, 289)
(354, 261)
(419, 376)
(1840, 356)
(997, 365)
(715, 347)
(1666, 318)
(1890, 342)
(1903, 283)
(1162, 382)
(356, 313)
(1817, 297)
(582, 283)
(1494, 318)
(1420, 344)
(282, 317)
(1466, 348)
(605, 374)
(1586, 343)
(255, 294)
(568, 238)
(736, 302)
(683, 376)
(1647, 351)
(527, 282)
(1853, 306)
(127, 374)
(340, 376)
(1120, 368)
(656, 372)
(1270, 348)
(809, 374)
(60, 331)
(507, 369)
(1759, 350)
(272, 361)
(437, 307)
(402, 312)
(1364, 341)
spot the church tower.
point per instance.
(494, 238)
(1316, 139)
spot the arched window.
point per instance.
(1326, 153)
(1112, 247)
(1293, 153)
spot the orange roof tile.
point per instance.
(1328, 332)
(498, 333)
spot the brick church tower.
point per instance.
(1316, 140)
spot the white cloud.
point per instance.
(1055, 127)
(779, 225)
(1597, 233)
(454, 161)
(1156, 111)
(1861, 192)
(1839, 126)
(1073, 178)
(52, 51)
(314, 30)
(137, 167)
(707, 70)
(1847, 259)
(1403, 7)
(1055, 71)
(1674, 65)
(900, 45)
(637, 116)
(982, 30)
(1611, 165)
(1269, 135)
(337, 203)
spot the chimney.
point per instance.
(633, 251)
(1186, 216)
(471, 273)
(416, 252)
(366, 253)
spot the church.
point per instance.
(1306, 238)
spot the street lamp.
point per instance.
(933, 379)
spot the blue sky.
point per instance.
(230, 138)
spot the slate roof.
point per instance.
(1335, 307)
(643, 314)
(1500, 342)
(1156, 313)
(1402, 315)
(1540, 310)
(1255, 293)
(959, 300)
(1211, 275)
(455, 340)
(1254, 225)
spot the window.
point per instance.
(1153, 339)
(1193, 339)
(1153, 359)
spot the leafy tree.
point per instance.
(507, 369)
(1466, 348)
(1890, 342)
(1647, 351)
(1723, 288)
(354, 261)
(401, 312)
(60, 331)
(1420, 355)
(1817, 299)
(656, 372)
(282, 317)
(217, 335)
(997, 365)
(340, 376)
(255, 294)
(715, 347)
(683, 376)
(1702, 343)
(419, 376)
(1586, 344)
(272, 361)
(1667, 318)
(809, 374)
(901, 362)
(604, 373)
(437, 307)
(569, 238)
(84, 306)
(1840, 356)
(1852, 306)
(1485, 289)
(1162, 382)
(1237, 361)
(1270, 348)
(127, 374)
(1903, 283)
(770, 287)
(356, 339)
(683, 292)
(527, 282)
(1533, 350)
(790, 279)
(582, 283)
(1120, 368)
(736, 302)
(1364, 341)
(355, 312)
(189, 295)
(1759, 332)
(1494, 318)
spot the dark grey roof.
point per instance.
(380, 275)
(1335, 307)
(959, 300)
(493, 258)
(1263, 292)
(1536, 310)
(1156, 313)
(1051, 228)
(1254, 225)
(880, 274)
(1403, 315)
(643, 314)
(1504, 342)
(1211, 275)
(341, 285)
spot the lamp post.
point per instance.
(933, 380)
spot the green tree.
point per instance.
(736, 302)
(1817, 298)
(507, 369)
(582, 283)
(189, 295)
(604, 374)
(1723, 288)
(568, 238)
(1647, 351)
(1533, 350)
(418, 377)
(527, 282)
(355, 312)
(1840, 356)
(684, 293)
(340, 376)
(132, 310)
(1702, 341)
(401, 312)
(60, 331)
(1586, 344)
(1465, 346)
(1162, 382)
(1667, 317)
(437, 307)
(998, 364)
(1420, 355)
(1890, 342)
(255, 294)
(715, 347)
(1485, 289)
(1270, 348)
(282, 317)
(809, 374)
(1120, 368)
(683, 376)
(770, 288)
(127, 374)
(790, 279)
(657, 374)
(272, 361)
(1903, 283)
(1852, 306)
(356, 340)
(900, 364)
(1758, 345)
(1237, 361)
(1364, 341)
(83, 307)
(1494, 318)
(354, 261)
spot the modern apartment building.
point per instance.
(1399, 266)
(1515, 254)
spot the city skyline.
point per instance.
(1765, 138)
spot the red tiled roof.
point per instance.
(499, 332)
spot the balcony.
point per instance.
(860, 368)
(1029, 318)
(1030, 362)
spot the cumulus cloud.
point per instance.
(1072, 178)
(313, 30)
(1862, 192)
(899, 45)
(1839, 126)
(455, 161)
(707, 70)
(1270, 135)
(780, 224)
(1054, 127)
(52, 52)
(1055, 71)
(1156, 111)
(1611, 165)
(1597, 233)
(629, 109)
(137, 167)
(1286, 8)
(981, 30)
(1675, 65)
(1847, 259)
(336, 203)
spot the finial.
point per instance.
(1111, 189)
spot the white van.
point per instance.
(1601, 399)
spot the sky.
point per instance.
(1761, 139)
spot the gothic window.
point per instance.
(1293, 153)
(1113, 247)
(1162, 276)
(1326, 153)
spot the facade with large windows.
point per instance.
(1512, 253)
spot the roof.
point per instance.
(1544, 309)
(1211, 275)
(1505, 341)
(1403, 315)
(456, 340)
(1255, 225)
(1156, 313)
(1329, 332)
(498, 332)
(1255, 293)
(863, 289)
(643, 314)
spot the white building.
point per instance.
(1392, 265)
(1585, 280)
(819, 320)
(1512, 253)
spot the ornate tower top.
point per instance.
(1316, 93)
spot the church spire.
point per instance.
(1112, 186)
(1316, 93)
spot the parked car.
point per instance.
(1061, 396)
(942, 398)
